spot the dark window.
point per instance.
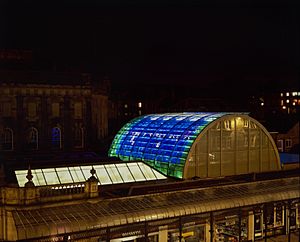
(32, 139)
(7, 139)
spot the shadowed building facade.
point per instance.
(68, 114)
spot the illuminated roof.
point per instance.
(161, 140)
(94, 218)
(105, 173)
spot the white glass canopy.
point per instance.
(106, 174)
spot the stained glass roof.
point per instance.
(161, 140)
(105, 173)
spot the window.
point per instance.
(253, 140)
(287, 94)
(31, 110)
(280, 145)
(125, 105)
(56, 138)
(7, 139)
(288, 143)
(55, 109)
(139, 104)
(79, 141)
(227, 124)
(32, 139)
(78, 110)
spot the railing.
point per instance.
(56, 193)
(68, 189)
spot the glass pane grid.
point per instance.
(161, 138)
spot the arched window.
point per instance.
(56, 138)
(7, 139)
(32, 139)
(79, 137)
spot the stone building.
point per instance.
(46, 112)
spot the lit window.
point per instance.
(227, 124)
(262, 104)
(281, 94)
(125, 106)
(56, 138)
(298, 93)
(287, 94)
(283, 107)
(294, 94)
(287, 101)
(281, 102)
(280, 145)
(139, 104)
(294, 103)
(288, 143)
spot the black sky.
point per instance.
(201, 43)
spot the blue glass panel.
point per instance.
(162, 139)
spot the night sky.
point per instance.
(202, 44)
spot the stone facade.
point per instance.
(52, 117)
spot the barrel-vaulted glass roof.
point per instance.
(161, 140)
(105, 173)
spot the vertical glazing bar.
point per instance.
(146, 232)
(240, 225)
(221, 147)
(107, 235)
(211, 227)
(265, 227)
(180, 229)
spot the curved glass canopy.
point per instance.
(161, 140)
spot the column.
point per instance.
(207, 231)
(163, 234)
(251, 231)
(287, 219)
(212, 236)
(44, 139)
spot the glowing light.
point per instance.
(287, 94)
(281, 94)
(262, 104)
(139, 104)
(287, 101)
(294, 93)
(163, 140)
(284, 107)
